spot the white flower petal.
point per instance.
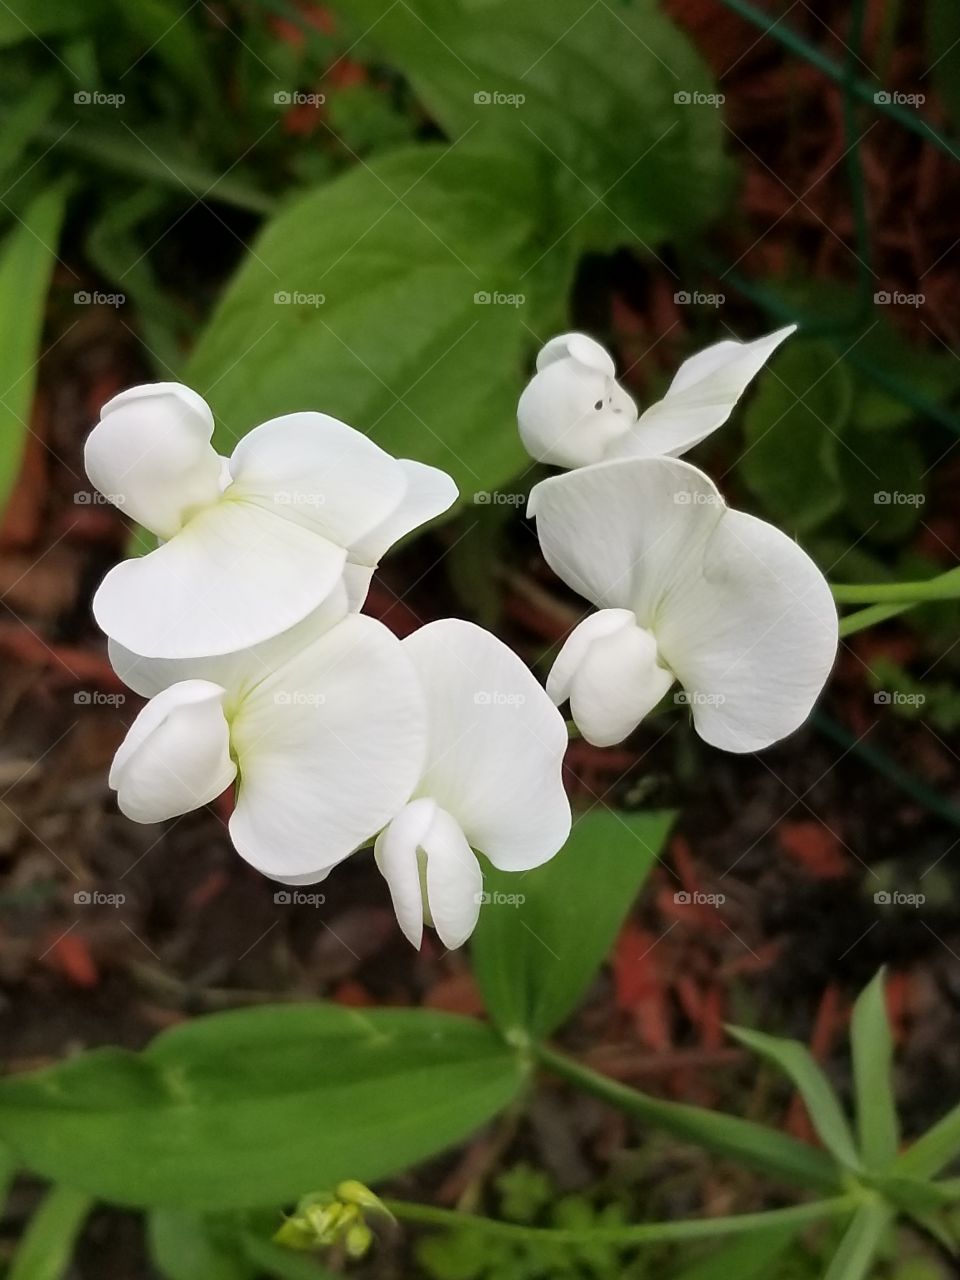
(176, 755)
(428, 493)
(701, 397)
(330, 748)
(238, 672)
(236, 575)
(609, 669)
(580, 347)
(495, 744)
(319, 473)
(151, 455)
(620, 533)
(400, 863)
(752, 637)
(573, 409)
(454, 881)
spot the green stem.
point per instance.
(642, 1233)
(755, 1145)
(946, 586)
(861, 89)
(871, 616)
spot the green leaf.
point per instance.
(271, 1259)
(47, 1245)
(751, 1257)
(27, 256)
(535, 958)
(932, 1152)
(33, 19)
(22, 120)
(743, 1141)
(594, 89)
(377, 275)
(184, 1247)
(256, 1107)
(792, 427)
(872, 1046)
(798, 1063)
(861, 1242)
(883, 477)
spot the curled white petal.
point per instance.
(700, 398)
(573, 409)
(176, 755)
(151, 455)
(428, 493)
(609, 669)
(495, 745)
(432, 873)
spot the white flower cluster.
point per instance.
(687, 589)
(243, 630)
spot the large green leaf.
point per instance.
(872, 1045)
(402, 344)
(796, 1060)
(256, 1107)
(612, 93)
(26, 263)
(543, 935)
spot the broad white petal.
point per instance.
(400, 862)
(320, 473)
(495, 744)
(621, 533)
(356, 580)
(238, 672)
(752, 636)
(454, 881)
(610, 671)
(701, 398)
(236, 575)
(429, 492)
(330, 747)
(176, 755)
(572, 409)
(150, 454)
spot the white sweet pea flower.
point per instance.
(252, 544)
(323, 728)
(491, 782)
(688, 590)
(573, 412)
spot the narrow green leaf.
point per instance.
(26, 263)
(47, 1245)
(22, 120)
(752, 1257)
(743, 1141)
(861, 1242)
(798, 1063)
(8, 1171)
(33, 19)
(872, 1047)
(932, 1152)
(256, 1107)
(404, 298)
(543, 935)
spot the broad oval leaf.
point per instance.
(256, 1107)
(542, 935)
(403, 298)
(612, 93)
